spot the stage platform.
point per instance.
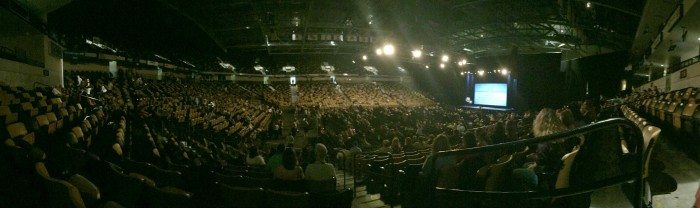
(488, 108)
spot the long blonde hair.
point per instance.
(547, 122)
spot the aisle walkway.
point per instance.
(685, 172)
(362, 199)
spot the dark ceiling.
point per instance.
(234, 29)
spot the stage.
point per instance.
(505, 109)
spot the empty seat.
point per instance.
(286, 199)
(342, 198)
(321, 186)
(688, 122)
(241, 196)
(168, 197)
(59, 193)
(54, 123)
(18, 131)
(497, 174)
(162, 177)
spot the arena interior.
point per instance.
(350, 103)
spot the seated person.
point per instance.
(441, 143)
(276, 159)
(396, 146)
(320, 170)
(386, 147)
(254, 158)
(290, 169)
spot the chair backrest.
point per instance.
(690, 108)
(17, 130)
(321, 186)
(5, 110)
(342, 198)
(42, 120)
(60, 193)
(563, 176)
(497, 175)
(170, 197)
(286, 199)
(26, 106)
(78, 132)
(650, 134)
(241, 196)
(56, 101)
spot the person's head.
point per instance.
(589, 110)
(253, 151)
(441, 143)
(547, 122)
(468, 140)
(289, 159)
(279, 149)
(321, 152)
(396, 145)
(480, 136)
(566, 117)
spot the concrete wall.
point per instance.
(53, 63)
(86, 67)
(20, 74)
(674, 81)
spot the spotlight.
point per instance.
(588, 4)
(427, 67)
(379, 51)
(388, 49)
(417, 53)
(480, 72)
(364, 57)
(442, 65)
(462, 73)
(504, 71)
(353, 61)
(462, 62)
(445, 58)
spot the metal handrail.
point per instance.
(636, 176)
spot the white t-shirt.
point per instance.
(257, 160)
(318, 171)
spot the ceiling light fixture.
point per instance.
(388, 49)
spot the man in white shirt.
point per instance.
(320, 170)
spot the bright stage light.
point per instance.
(588, 4)
(364, 57)
(445, 58)
(388, 49)
(462, 62)
(417, 53)
(442, 65)
(379, 52)
(427, 67)
(504, 71)
(480, 72)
